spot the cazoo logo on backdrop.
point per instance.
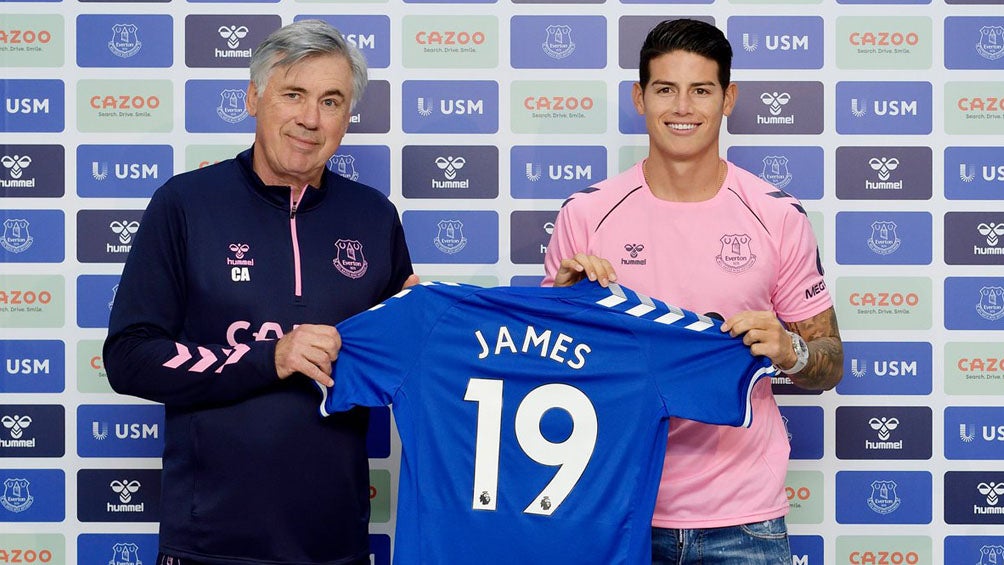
(567, 106)
(125, 106)
(866, 42)
(883, 303)
(32, 301)
(450, 42)
(31, 40)
(885, 550)
(974, 107)
(776, 42)
(974, 368)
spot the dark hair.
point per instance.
(692, 36)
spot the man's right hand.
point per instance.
(585, 266)
(308, 349)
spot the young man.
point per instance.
(225, 313)
(690, 228)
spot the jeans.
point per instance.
(760, 543)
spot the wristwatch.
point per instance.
(801, 351)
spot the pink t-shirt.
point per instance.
(749, 248)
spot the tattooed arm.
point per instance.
(826, 352)
(765, 335)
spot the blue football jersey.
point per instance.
(533, 421)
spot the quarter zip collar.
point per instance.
(280, 196)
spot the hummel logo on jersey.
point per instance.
(240, 264)
(633, 250)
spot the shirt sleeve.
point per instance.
(144, 353)
(565, 243)
(801, 290)
(380, 348)
(701, 373)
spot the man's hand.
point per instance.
(411, 281)
(308, 349)
(764, 334)
(585, 266)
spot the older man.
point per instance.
(225, 314)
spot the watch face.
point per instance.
(799, 344)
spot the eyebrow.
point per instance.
(671, 83)
(325, 94)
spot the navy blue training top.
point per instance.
(221, 268)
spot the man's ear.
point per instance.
(251, 100)
(731, 93)
(638, 97)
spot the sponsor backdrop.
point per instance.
(885, 117)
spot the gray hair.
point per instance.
(306, 38)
